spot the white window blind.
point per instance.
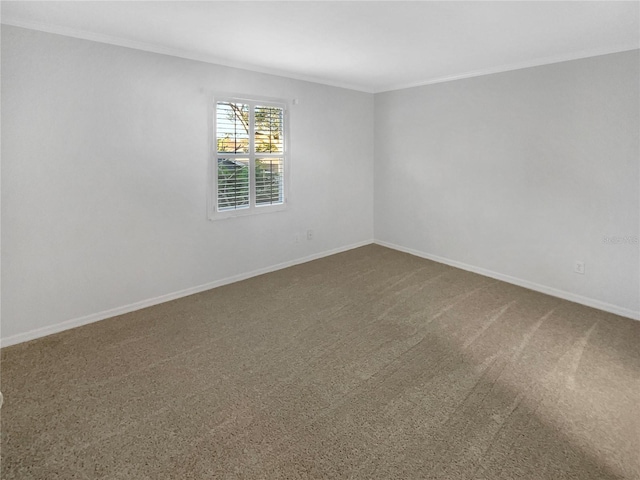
(250, 163)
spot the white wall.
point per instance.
(104, 162)
(104, 178)
(519, 174)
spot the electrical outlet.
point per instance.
(578, 267)
(309, 234)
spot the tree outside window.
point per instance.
(237, 124)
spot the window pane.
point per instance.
(268, 129)
(232, 125)
(233, 183)
(269, 181)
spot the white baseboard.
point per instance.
(572, 297)
(94, 317)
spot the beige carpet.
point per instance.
(367, 364)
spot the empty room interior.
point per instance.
(320, 240)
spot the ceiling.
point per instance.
(368, 46)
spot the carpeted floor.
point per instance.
(370, 364)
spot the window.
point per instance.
(250, 157)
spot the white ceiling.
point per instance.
(369, 46)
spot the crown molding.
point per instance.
(510, 66)
(180, 53)
(174, 52)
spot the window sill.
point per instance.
(249, 212)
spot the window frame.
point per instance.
(213, 213)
